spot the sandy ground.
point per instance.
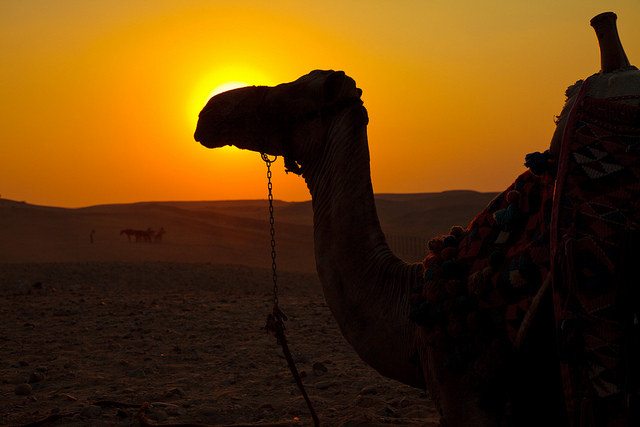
(85, 322)
(190, 336)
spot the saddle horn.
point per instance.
(612, 55)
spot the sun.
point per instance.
(225, 87)
(221, 79)
(206, 84)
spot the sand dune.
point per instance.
(180, 324)
(221, 232)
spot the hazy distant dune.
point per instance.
(225, 232)
(188, 313)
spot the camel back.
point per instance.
(573, 223)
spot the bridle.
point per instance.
(285, 126)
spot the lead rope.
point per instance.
(275, 320)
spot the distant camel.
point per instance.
(129, 232)
(158, 237)
(144, 236)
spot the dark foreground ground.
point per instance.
(186, 338)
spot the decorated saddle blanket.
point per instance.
(572, 226)
(595, 247)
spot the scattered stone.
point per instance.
(323, 385)
(299, 358)
(231, 380)
(175, 392)
(21, 288)
(35, 377)
(23, 390)
(319, 369)
(367, 401)
(369, 390)
(404, 402)
(209, 412)
(389, 411)
(91, 411)
(175, 411)
(137, 373)
(157, 414)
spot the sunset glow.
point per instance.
(100, 99)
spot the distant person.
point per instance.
(91, 235)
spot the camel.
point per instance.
(477, 322)
(145, 236)
(129, 232)
(157, 238)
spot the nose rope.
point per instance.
(285, 126)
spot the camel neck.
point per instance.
(366, 286)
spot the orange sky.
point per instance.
(100, 99)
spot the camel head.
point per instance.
(273, 120)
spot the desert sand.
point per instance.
(180, 324)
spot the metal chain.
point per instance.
(275, 321)
(272, 230)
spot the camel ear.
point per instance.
(334, 87)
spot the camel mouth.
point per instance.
(203, 137)
(210, 144)
(225, 112)
(210, 129)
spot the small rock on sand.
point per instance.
(319, 369)
(91, 411)
(209, 412)
(35, 377)
(23, 390)
(175, 392)
(372, 389)
(137, 373)
(323, 385)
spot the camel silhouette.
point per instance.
(526, 317)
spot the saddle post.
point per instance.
(612, 55)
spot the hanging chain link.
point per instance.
(272, 230)
(275, 321)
